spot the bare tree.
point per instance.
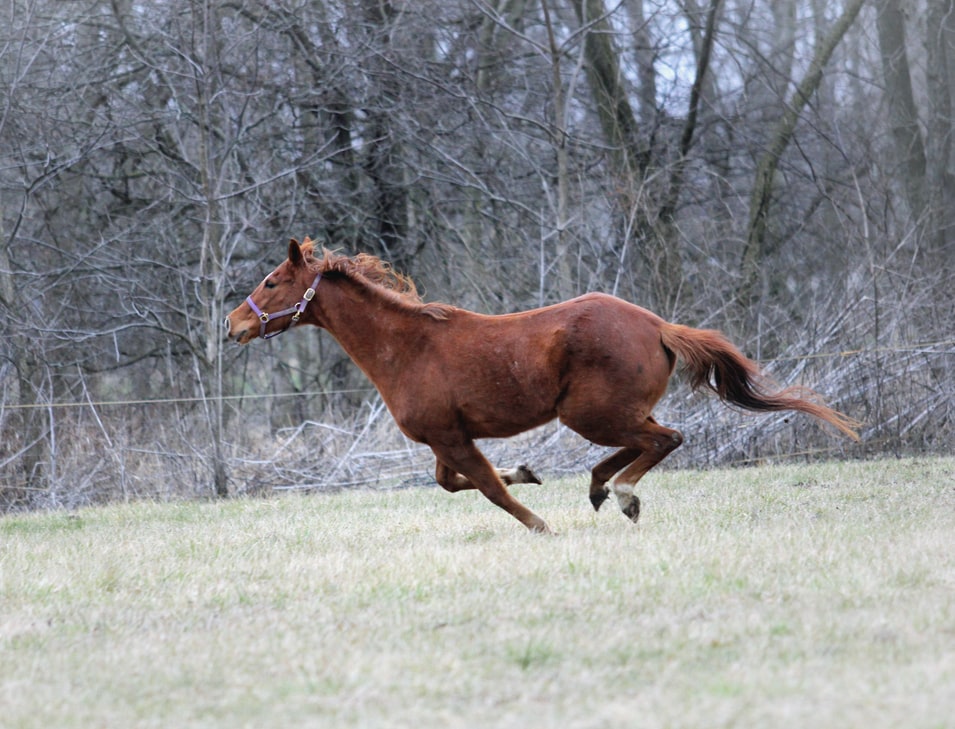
(903, 115)
(155, 158)
(763, 185)
(940, 152)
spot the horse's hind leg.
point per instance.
(605, 470)
(521, 474)
(464, 466)
(654, 442)
(452, 481)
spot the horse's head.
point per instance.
(279, 301)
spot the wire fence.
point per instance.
(101, 450)
(916, 348)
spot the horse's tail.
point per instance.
(711, 360)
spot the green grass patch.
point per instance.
(816, 595)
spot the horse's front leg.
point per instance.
(465, 467)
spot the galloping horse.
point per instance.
(449, 376)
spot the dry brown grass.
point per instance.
(816, 595)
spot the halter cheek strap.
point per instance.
(295, 310)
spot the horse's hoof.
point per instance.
(597, 498)
(632, 510)
(526, 475)
(539, 526)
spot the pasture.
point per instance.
(815, 595)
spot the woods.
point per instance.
(780, 170)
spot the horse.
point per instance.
(449, 376)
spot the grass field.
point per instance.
(797, 596)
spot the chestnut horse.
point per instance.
(449, 376)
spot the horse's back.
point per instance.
(604, 322)
(592, 329)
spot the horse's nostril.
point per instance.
(228, 325)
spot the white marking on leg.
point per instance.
(624, 494)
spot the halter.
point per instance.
(295, 310)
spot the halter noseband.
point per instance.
(295, 310)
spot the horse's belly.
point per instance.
(506, 424)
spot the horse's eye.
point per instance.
(270, 284)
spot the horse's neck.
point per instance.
(367, 324)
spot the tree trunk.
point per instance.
(903, 115)
(25, 429)
(666, 229)
(631, 156)
(384, 165)
(761, 197)
(565, 283)
(940, 174)
(614, 112)
(645, 55)
(212, 258)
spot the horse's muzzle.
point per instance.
(240, 336)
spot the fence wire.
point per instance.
(122, 449)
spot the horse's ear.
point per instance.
(295, 256)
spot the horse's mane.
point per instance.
(371, 270)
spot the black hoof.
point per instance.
(526, 475)
(632, 511)
(598, 498)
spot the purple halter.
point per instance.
(295, 310)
